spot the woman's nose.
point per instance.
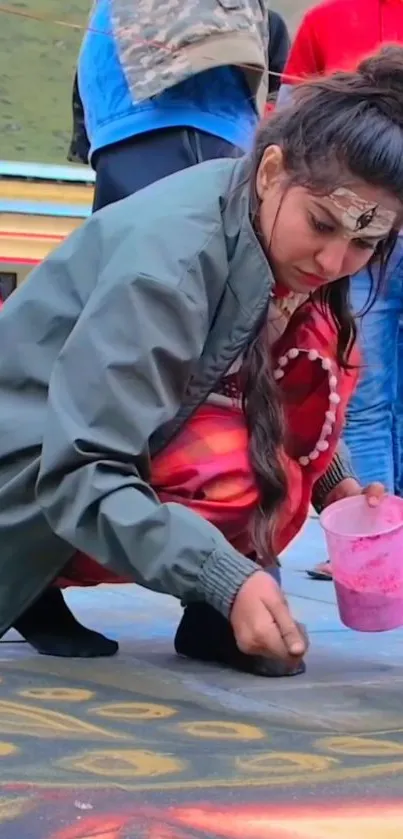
(332, 259)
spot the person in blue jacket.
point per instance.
(131, 144)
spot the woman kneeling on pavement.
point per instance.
(174, 378)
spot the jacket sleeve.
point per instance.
(305, 57)
(340, 468)
(121, 375)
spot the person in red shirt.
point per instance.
(336, 35)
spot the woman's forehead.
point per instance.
(358, 214)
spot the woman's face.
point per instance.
(313, 240)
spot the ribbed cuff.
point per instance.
(340, 468)
(221, 578)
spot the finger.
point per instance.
(268, 641)
(374, 493)
(304, 633)
(288, 629)
(347, 488)
(262, 636)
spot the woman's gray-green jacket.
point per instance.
(105, 351)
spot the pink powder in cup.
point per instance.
(365, 547)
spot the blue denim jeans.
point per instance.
(398, 418)
(374, 424)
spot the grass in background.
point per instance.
(37, 62)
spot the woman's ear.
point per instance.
(271, 167)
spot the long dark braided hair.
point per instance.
(349, 125)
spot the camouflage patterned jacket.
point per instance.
(163, 42)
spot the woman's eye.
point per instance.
(321, 226)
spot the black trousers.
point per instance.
(126, 167)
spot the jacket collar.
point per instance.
(251, 276)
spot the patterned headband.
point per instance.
(359, 215)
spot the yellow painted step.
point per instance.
(48, 192)
(18, 223)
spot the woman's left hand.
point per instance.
(349, 487)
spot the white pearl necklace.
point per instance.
(334, 399)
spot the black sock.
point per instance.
(50, 627)
(204, 634)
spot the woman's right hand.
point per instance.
(262, 622)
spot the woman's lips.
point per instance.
(311, 280)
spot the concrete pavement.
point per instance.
(148, 745)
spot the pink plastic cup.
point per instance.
(366, 553)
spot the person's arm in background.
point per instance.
(279, 46)
(79, 148)
(306, 56)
